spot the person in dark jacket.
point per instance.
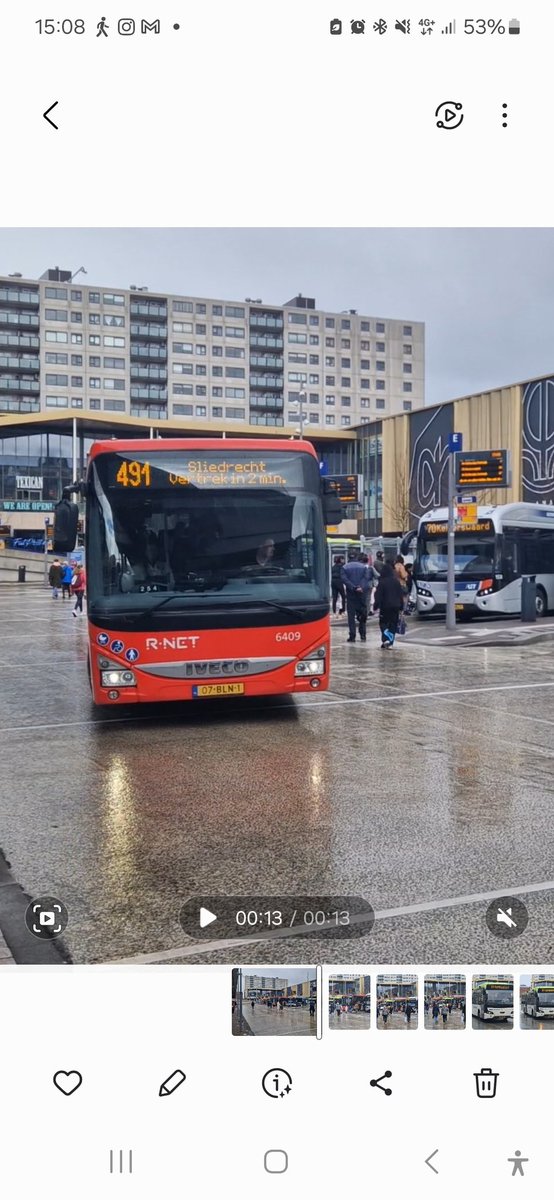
(337, 586)
(379, 562)
(389, 599)
(55, 577)
(357, 581)
(67, 576)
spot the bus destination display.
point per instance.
(176, 472)
(482, 469)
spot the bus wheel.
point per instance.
(541, 602)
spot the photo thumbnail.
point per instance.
(274, 1005)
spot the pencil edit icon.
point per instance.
(171, 1084)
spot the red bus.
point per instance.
(207, 569)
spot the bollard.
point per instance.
(528, 598)
(21, 574)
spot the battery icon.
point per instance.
(514, 26)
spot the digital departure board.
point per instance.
(346, 487)
(482, 469)
(185, 471)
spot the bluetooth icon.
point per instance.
(380, 26)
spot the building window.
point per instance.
(314, 360)
(314, 418)
(235, 414)
(94, 360)
(365, 384)
(346, 401)
(114, 405)
(76, 296)
(76, 381)
(364, 402)
(380, 365)
(329, 322)
(329, 341)
(94, 339)
(217, 351)
(200, 330)
(235, 393)
(93, 402)
(114, 385)
(379, 403)
(94, 318)
(329, 381)
(182, 326)
(314, 339)
(182, 368)
(113, 298)
(329, 418)
(55, 293)
(77, 402)
(380, 347)
(234, 352)
(407, 387)
(52, 336)
(314, 380)
(380, 327)
(217, 372)
(57, 402)
(201, 410)
(346, 381)
(330, 360)
(201, 310)
(297, 319)
(217, 410)
(182, 389)
(183, 410)
(345, 343)
(56, 380)
(365, 364)
(314, 320)
(345, 323)
(59, 360)
(77, 318)
(200, 369)
(345, 364)
(345, 420)
(217, 391)
(233, 310)
(217, 330)
(364, 345)
(297, 358)
(182, 347)
(201, 351)
(76, 360)
(94, 382)
(182, 306)
(314, 398)
(407, 368)
(407, 331)
(407, 405)
(234, 331)
(364, 326)
(76, 339)
(407, 348)
(217, 310)
(201, 390)
(109, 319)
(55, 314)
(235, 372)
(94, 297)
(380, 385)
(298, 338)
(114, 364)
(330, 401)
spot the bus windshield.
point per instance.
(177, 526)
(546, 999)
(473, 556)
(499, 998)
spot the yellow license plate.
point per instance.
(217, 689)
(459, 607)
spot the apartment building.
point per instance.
(166, 358)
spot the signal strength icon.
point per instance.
(450, 28)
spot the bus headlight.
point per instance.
(118, 679)
(423, 591)
(313, 663)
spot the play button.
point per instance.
(449, 115)
(206, 917)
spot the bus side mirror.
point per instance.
(66, 518)
(332, 507)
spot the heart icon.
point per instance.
(68, 1081)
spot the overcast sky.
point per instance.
(486, 296)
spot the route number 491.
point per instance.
(287, 637)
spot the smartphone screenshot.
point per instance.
(276, 599)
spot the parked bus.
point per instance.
(207, 569)
(539, 1000)
(493, 1000)
(491, 555)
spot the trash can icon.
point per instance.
(485, 1082)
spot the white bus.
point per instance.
(492, 1000)
(491, 555)
(539, 1000)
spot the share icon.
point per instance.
(377, 1083)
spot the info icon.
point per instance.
(46, 917)
(507, 917)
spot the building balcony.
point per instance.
(149, 393)
(266, 343)
(148, 331)
(152, 352)
(18, 341)
(262, 321)
(18, 405)
(152, 411)
(151, 372)
(268, 400)
(267, 381)
(16, 295)
(266, 419)
(21, 320)
(152, 311)
(10, 383)
(14, 362)
(268, 362)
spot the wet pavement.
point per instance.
(277, 1022)
(423, 778)
(491, 1025)
(536, 1023)
(349, 1020)
(397, 1020)
(455, 1020)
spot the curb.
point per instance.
(23, 947)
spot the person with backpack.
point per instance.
(55, 577)
(389, 601)
(337, 585)
(78, 585)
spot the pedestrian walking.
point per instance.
(389, 600)
(55, 577)
(409, 1011)
(444, 1014)
(252, 1005)
(400, 571)
(78, 584)
(67, 576)
(436, 1012)
(337, 586)
(357, 581)
(312, 1008)
(379, 562)
(384, 1014)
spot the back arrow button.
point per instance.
(49, 110)
(429, 1163)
